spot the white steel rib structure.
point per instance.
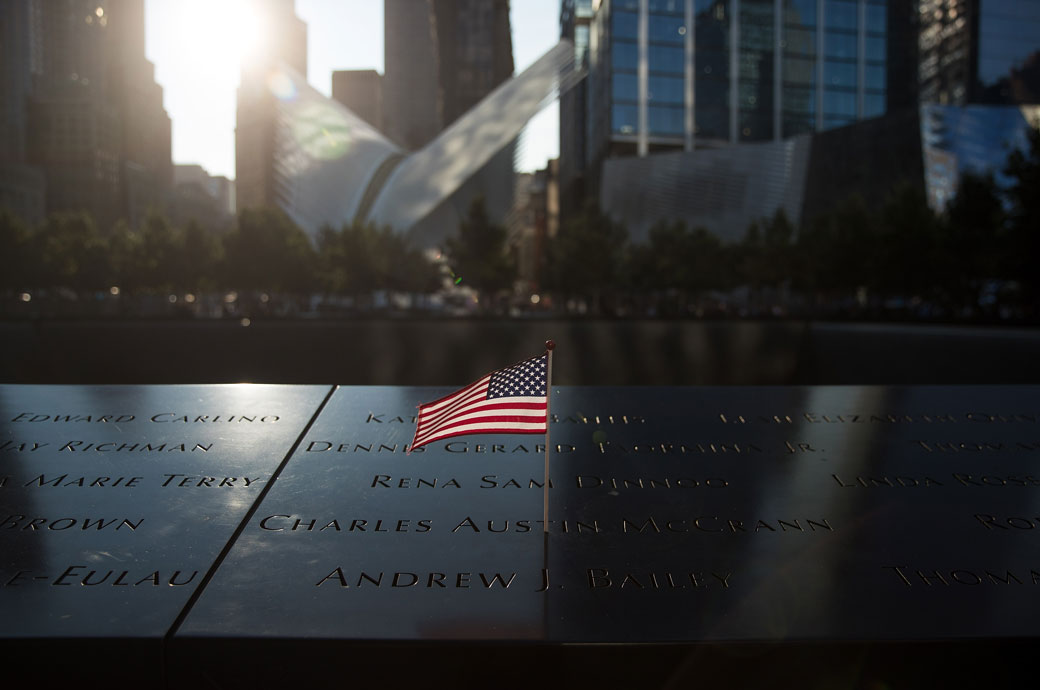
(334, 168)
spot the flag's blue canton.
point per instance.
(526, 378)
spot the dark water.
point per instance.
(441, 352)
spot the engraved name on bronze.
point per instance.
(872, 482)
(162, 417)
(22, 446)
(976, 446)
(594, 578)
(957, 479)
(604, 447)
(39, 524)
(406, 579)
(652, 524)
(141, 447)
(129, 482)
(86, 576)
(930, 577)
(603, 578)
(494, 481)
(881, 418)
(1005, 523)
(293, 523)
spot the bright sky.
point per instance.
(195, 46)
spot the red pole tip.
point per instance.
(549, 345)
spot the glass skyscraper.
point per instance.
(685, 74)
(979, 51)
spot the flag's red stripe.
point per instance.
(502, 428)
(519, 412)
(490, 419)
(461, 392)
(472, 406)
(424, 423)
(474, 395)
(481, 421)
(468, 411)
(459, 407)
(440, 437)
(470, 395)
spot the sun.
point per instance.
(216, 35)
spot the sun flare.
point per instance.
(217, 35)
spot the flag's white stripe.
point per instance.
(531, 415)
(475, 398)
(426, 420)
(471, 404)
(460, 406)
(433, 407)
(503, 427)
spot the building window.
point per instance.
(877, 18)
(667, 89)
(665, 120)
(625, 56)
(800, 12)
(667, 29)
(624, 118)
(668, 6)
(799, 70)
(876, 78)
(876, 48)
(667, 59)
(840, 45)
(625, 25)
(840, 103)
(874, 105)
(624, 87)
(799, 41)
(841, 14)
(842, 74)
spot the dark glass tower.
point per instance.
(441, 58)
(285, 41)
(979, 51)
(680, 74)
(83, 125)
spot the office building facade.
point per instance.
(83, 123)
(979, 51)
(257, 181)
(441, 58)
(21, 185)
(362, 92)
(685, 74)
(575, 21)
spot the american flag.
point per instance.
(508, 401)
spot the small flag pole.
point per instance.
(549, 347)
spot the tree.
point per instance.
(200, 254)
(15, 247)
(588, 257)
(478, 255)
(407, 268)
(361, 257)
(678, 262)
(974, 229)
(906, 261)
(1023, 167)
(125, 251)
(835, 251)
(73, 254)
(159, 253)
(267, 251)
(766, 256)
